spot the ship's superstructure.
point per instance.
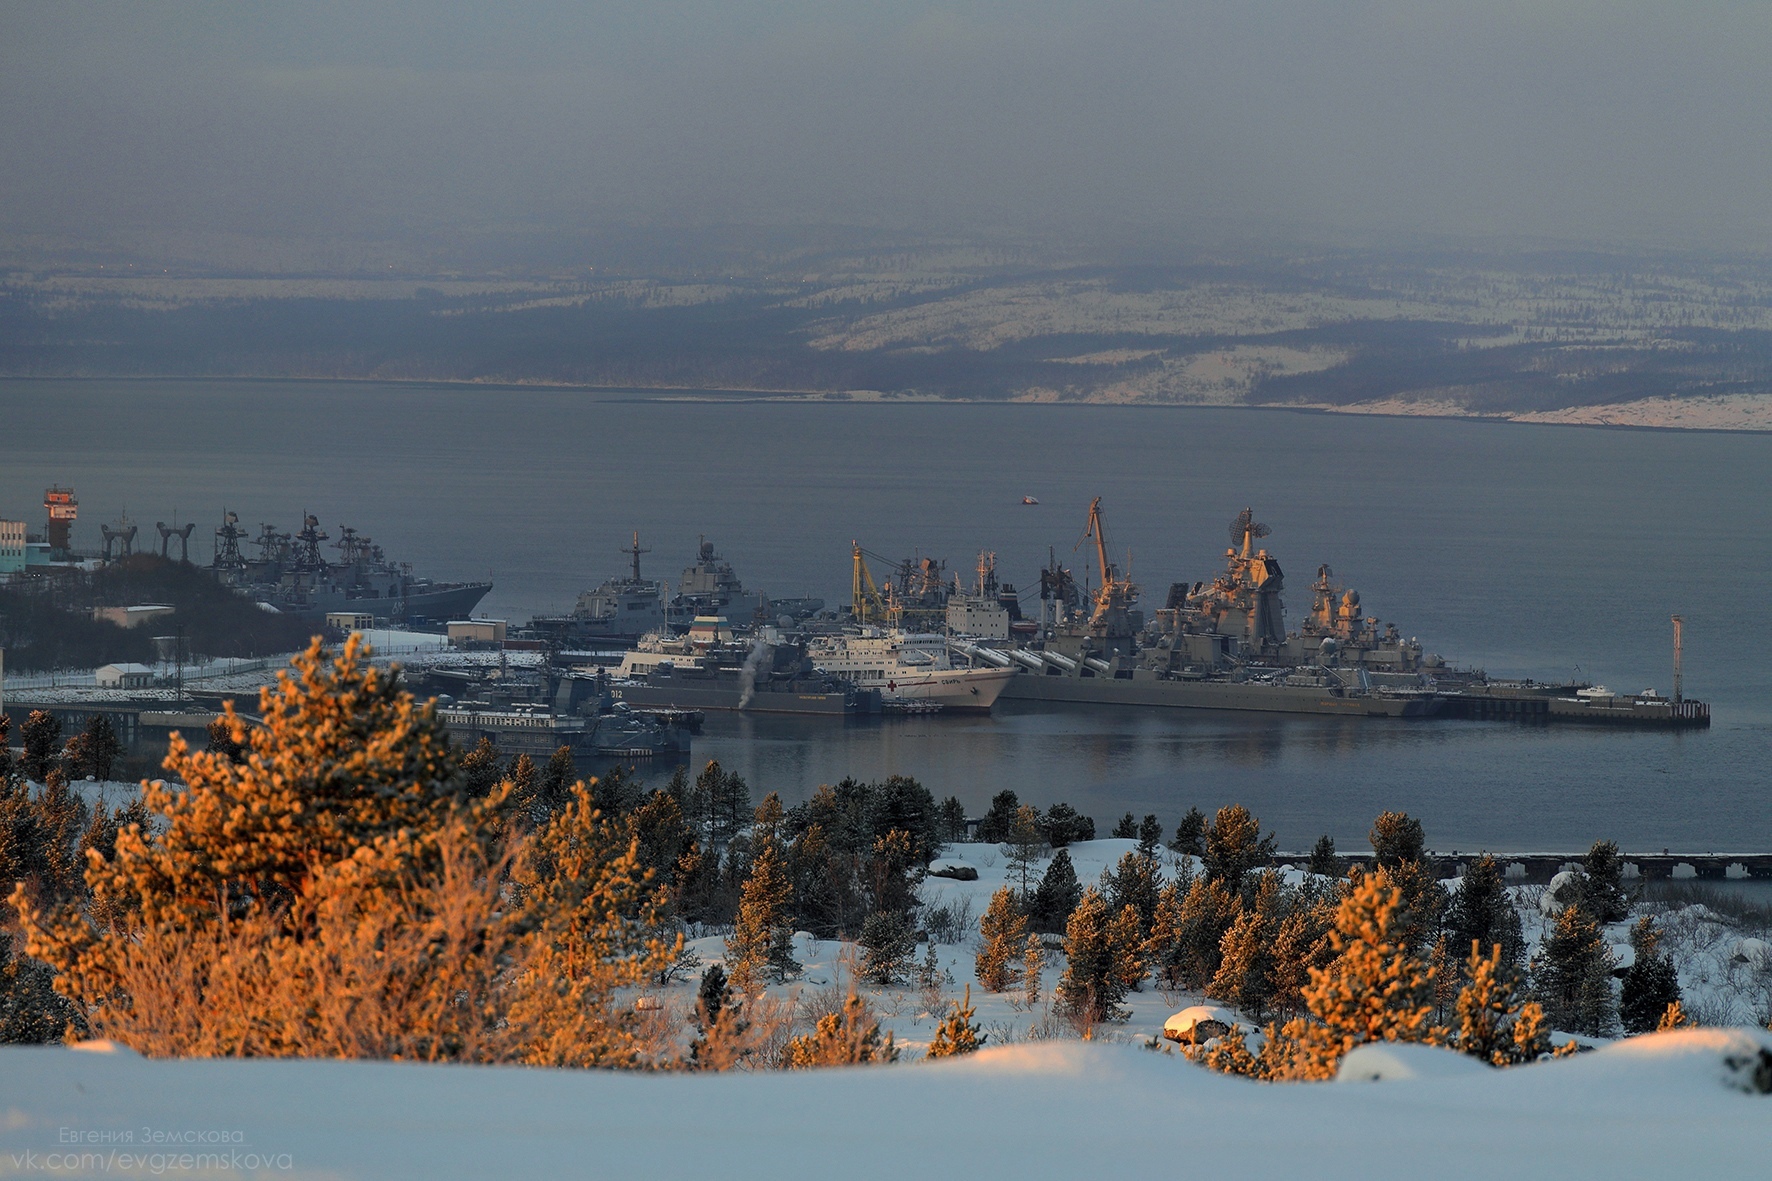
(292, 573)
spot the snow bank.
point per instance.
(1667, 1104)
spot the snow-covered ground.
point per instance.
(1668, 1105)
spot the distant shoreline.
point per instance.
(1612, 416)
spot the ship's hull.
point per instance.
(1227, 695)
(601, 738)
(439, 604)
(965, 690)
(684, 693)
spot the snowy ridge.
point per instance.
(1667, 1104)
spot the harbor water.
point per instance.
(1527, 550)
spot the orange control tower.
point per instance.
(63, 509)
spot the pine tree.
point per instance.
(1150, 835)
(1057, 895)
(957, 1034)
(481, 769)
(522, 798)
(1234, 846)
(554, 785)
(761, 946)
(1494, 1023)
(1126, 937)
(1375, 990)
(1482, 913)
(8, 768)
(597, 929)
(1190, 834)
(1002, 930)
(339, 869)
(1574, 980)
(1024, 846)
(1602, 883)
(1033, 960)
(994, 828)
(93, 751)
(888, 941)
(1651, 983)
(42, 736)
(1246, 976)
(1397, 838)
(1126, 829)
(1189, 934)
(1323, 861)
(1090, 990)
(950, 821)
(62, 818)
(223, 741)
(1137, 881)
(851, 1038)
(1300, 947)
(1065, 825)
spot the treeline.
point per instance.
(1391, 954)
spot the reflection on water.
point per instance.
(1476, 784)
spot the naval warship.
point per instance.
(291, 573)
(1221, 644)
(710, 668)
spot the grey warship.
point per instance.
(291, 573)
(1217, 645)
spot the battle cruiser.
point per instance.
(293, 575)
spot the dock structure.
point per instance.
(1540, 868)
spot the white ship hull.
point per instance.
(974, 689)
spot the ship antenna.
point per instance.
(636, 551)
(1679, 654)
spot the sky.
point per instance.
(1568, 120)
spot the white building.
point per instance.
(12, 547)
(125, 676)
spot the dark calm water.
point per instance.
(1525, 550)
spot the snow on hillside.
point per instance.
(1666, 1105)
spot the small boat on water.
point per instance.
(1030, 500)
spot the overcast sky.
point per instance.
(1569, 119)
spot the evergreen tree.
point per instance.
(42, 736)
(1494, 1024)
(1065, 825)
(727, 799)
(223, 741)
(1150, 835)
(62, 818)
(1057, 896)
(1190, 834)
(1092, 987)
(480, 768)
(93, 751)
(1024, 846)
(1602, 883)
(1375, 990)
(1300, 947)
(1323, 860)
(1574, 979)
(995, 827)
(1482, 913)
(1234, 846)
(761, 946)
(1126, 937)
(554, 786)
(1397, 838)
(950, 821)
(522, 798)
(1424, 904)
(1002, 930)
(1651, 983)
(9, 770)
(888, 941)
(1033, 960)
(1126, 829)
(1190, 933)
(720, 1027)
(1247, 970)
(1137, 881)
(31, 1011)
(957, 1034)
(851, 1038)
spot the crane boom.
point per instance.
(865, 603)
